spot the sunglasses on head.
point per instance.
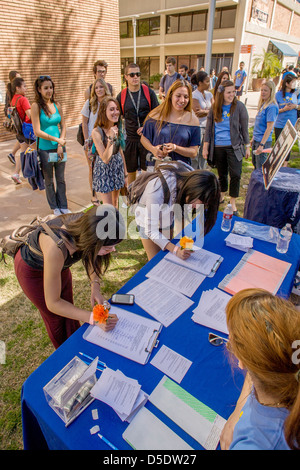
(133, 74)
(44, 77)
(216, 340)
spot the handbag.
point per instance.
(27, 131)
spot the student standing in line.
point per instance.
(50, 129)
(222, 77)
(99, 71)
(239, 80)
(110, 173)
(169, 78)
(136, 101)
(8, 97)
(264, 124)
(226, 139)
(264, 332)
(89, 115)
(288, 103)
(202, 102)
(19, 100)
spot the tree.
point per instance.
(266, 65)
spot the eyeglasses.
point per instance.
(101, 71)
(44, 77)
(216, 340)
(133, 74)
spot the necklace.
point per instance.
(176, 129)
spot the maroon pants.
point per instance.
(31, 280)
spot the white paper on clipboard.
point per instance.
(133, 337)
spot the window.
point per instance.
(148, 66)
(185, 23)
(199, 21)
(144, 27)
(225, 17)
(172, 24)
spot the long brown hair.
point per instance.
(38, 96)
(89, 231)
(94, 98)
(219, 80)
(262, 331)
(219, 101)
(163, 111)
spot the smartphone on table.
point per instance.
(125, 299)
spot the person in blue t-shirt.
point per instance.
(288, 103)
(264, 124)
(264, 332)
(239, 80)
(226, 140)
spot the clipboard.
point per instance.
(131, 329)
(194, 264)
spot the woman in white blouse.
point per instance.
(89, 115)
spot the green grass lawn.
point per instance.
(24, 334)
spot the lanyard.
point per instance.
(136, 106)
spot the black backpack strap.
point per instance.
(59, 241)
(165, 187)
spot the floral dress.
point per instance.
(109, 176)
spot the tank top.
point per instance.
(35, 261)
(49, 124)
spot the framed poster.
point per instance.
(282, 147)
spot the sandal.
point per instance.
(222, 202)
(95, 202)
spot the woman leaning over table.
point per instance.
(264, 332)
(110, 173)
(89, 115)
(172, 129)
(47, 281)
(50, 129)
(264, 124)
(226, 139)
(288, 103)
(160, 200)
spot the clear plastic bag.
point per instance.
(261, 232)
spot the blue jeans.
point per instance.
(56, 197)
(258, 160)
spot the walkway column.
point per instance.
(210, 31)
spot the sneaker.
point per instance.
(56, 211)
(16, 179)
(11, 158)
(65, 211)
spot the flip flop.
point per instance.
(221, 202)
(95, 202)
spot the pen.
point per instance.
(91, 359)
(107, 441)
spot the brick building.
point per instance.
(60, 38)
(179, 28)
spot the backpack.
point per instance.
(165, 76)
(11, 243)
(13, 122)
(146, 93)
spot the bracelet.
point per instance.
(175, 250)
(261, 144)
(95, 280)
(247, 146)
(125, 176)
(175, 147)
(91, 319)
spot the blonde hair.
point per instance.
(163, 111)
(263, 329)
(94, 98)
(271, 85)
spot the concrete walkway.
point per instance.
(19, 204)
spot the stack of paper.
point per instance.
(239, 242)
(256, 270)
(122, 393)
(210, 311)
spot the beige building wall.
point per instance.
(277, 19)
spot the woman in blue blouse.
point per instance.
(172, 129)
(288, 103)
(264, 123)
(50, 129)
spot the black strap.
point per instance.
(165, 187)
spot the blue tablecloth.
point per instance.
(210, 378)
(278, 205)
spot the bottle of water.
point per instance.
(284, 238)
(227, 217)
